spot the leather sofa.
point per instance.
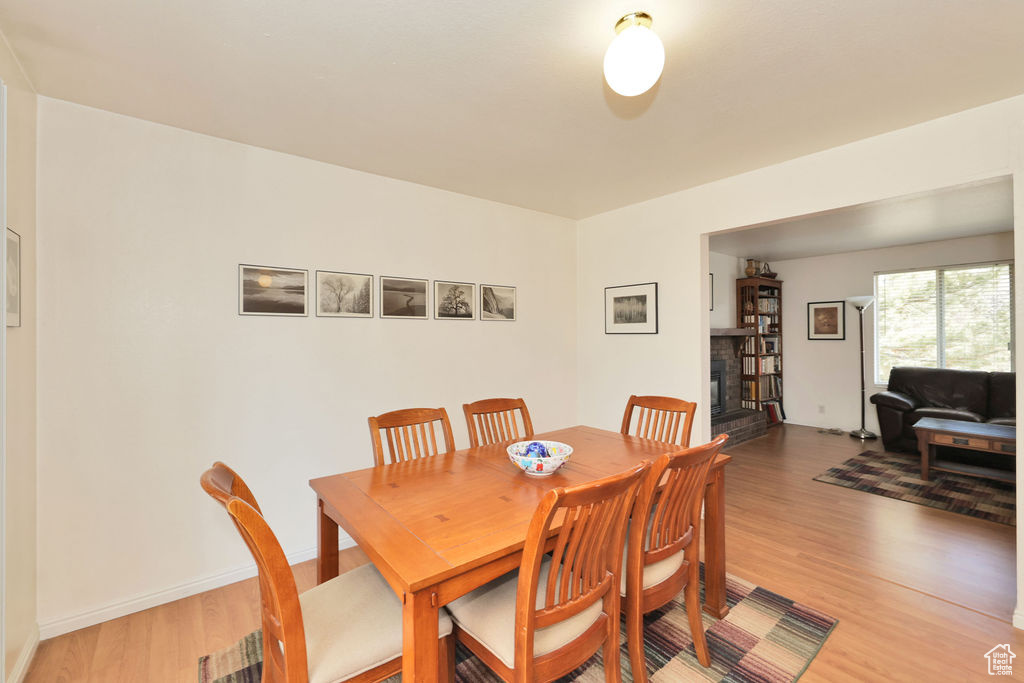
(915, 393)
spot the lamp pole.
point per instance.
(861, 303)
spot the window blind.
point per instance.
(957, 317)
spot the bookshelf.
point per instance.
(759, 308)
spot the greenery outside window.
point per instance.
(958, 317)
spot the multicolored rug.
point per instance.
(765, 638)
(899, 476)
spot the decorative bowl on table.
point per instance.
(539, 458)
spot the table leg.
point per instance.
(925, 447)
(419, 636)
(326, 545)
(714, 544)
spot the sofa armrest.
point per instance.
(897, 401)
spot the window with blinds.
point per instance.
(958, 317)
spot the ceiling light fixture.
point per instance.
(635, 57)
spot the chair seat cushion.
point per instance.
(353, 623)
(653, 573)
(489, 615)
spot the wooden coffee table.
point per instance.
(976, 436)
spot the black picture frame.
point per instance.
(631, 309)
(321, 277)
(272, 290)
(390, 311)
(441, 302)
(501, 295)
(826, 320)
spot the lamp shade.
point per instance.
(635, 58)
(860, 302)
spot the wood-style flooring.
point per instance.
(920, 594)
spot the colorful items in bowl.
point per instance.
(539, 458)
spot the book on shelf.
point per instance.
(776, 413)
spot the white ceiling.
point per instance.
(506, 101)
(981, 208)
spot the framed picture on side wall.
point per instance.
(13, 279)
(402, 297)
(344, 295)
(497, 302)
(826, 320)
(454, 300)
(265, 290)
(631, 309)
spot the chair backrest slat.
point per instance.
(411, 434)
(659, 418)
(494, 420)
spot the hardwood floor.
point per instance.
(920, 594)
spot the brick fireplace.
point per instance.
(739, 423)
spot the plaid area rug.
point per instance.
(765, 638)
(899, 476)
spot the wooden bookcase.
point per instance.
(759, 308)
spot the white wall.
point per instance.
(669, 235)
(726, 269)
(147, 374)
(821, 377)
(19, 553)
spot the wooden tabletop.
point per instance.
(427, 520)
(982, 429)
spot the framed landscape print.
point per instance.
(826, 320)
(497, 302)
(631, 309)
(13, 279)
(344, 295)
(454, 300)
(265, 290)
(403, 298)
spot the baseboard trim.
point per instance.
(56, 627)
(1018, 619)
(28, 651)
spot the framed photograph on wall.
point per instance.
(454, 300)
(826, 320)
(266, 290)
(631, 309)
(344, 295)
(13, 279)
(497, 302)
(402, 297)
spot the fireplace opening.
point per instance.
(717, 387)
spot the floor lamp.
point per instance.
(861, 303)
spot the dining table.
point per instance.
(438, 527)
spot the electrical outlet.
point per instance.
(821, 409)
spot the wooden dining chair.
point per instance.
(660, 418)
(494, 419)
(663, 549)
(549, 617)
(411, 434)
(345, 629)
